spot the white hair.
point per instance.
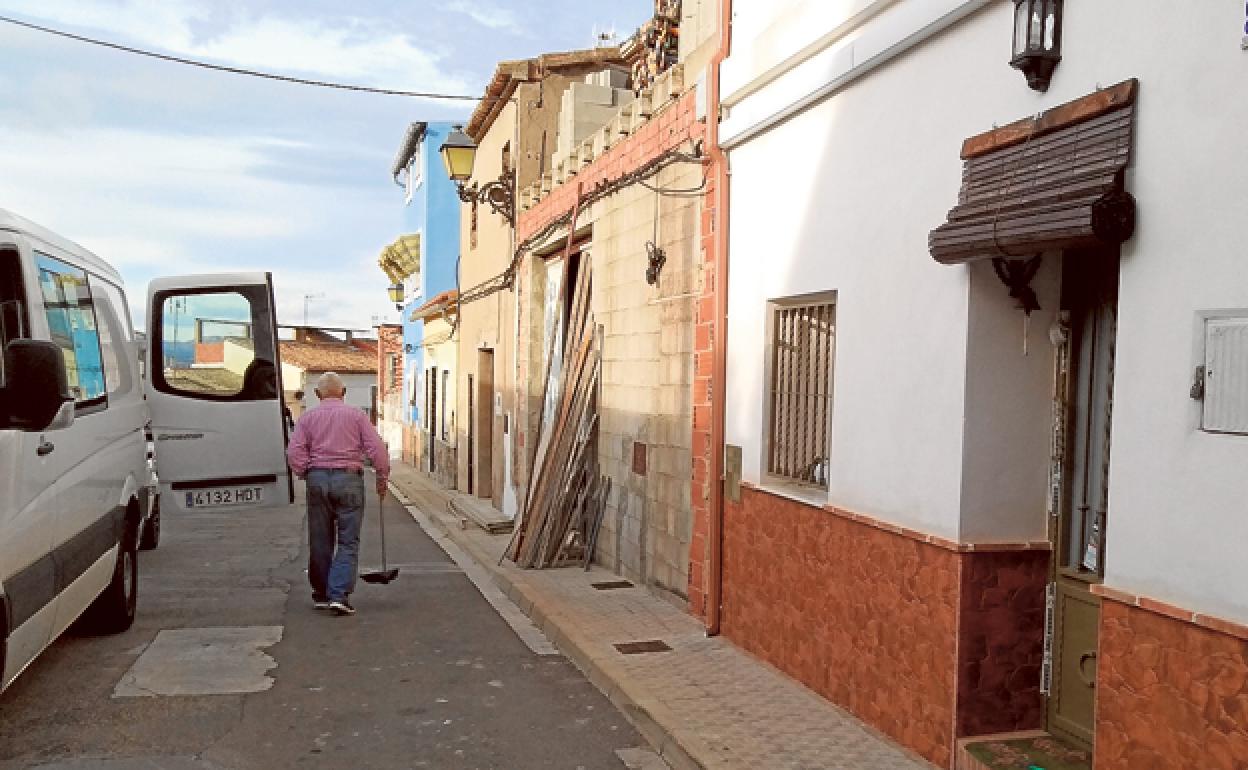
(330, 384)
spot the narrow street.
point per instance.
(427, 674)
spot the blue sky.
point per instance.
(163, 169)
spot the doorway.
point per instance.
(1084, 407)
(472, 422)
(483, 416)
(432, 390)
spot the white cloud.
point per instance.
(487, 15)
(360, 51)
(159, 204)
(101, 178)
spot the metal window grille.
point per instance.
(801, 391)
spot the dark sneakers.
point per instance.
(341, 607)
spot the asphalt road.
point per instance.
(426, 675)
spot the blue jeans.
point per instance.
(335, 512)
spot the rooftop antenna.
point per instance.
(605, 36)
(307, 298)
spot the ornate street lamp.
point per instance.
(1037, 40)
(396, 296)
(459, 154)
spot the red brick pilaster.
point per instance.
(703, 366)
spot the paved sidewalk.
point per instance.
(705, 703)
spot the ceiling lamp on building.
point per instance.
(1037, 40)
(396, 295)
(459, 154)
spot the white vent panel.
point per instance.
(1226, 375)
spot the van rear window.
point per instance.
(215, 345)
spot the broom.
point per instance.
(383, 575)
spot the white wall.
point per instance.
(1178, 518)
(359, 390)
(1007, 433)
(292, 377)
(236, 357)
(899, 374)
(443, 355)
(881, 169)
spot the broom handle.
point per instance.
(381, 519)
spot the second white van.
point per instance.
(78, 495)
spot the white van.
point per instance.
(77, 493)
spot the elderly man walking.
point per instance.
(328, 450)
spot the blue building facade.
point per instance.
(431, 211)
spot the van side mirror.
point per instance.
(37, 387)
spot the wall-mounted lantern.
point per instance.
(459, 154)
(396, 296)
(1037, 40)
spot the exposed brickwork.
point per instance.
(1171, 694)
(389, 342)
(703, 391)
(390, 384)
(1001, 642)
(864, 617)
(672, 126)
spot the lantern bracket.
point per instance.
(499, 195)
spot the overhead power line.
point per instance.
(238, 70)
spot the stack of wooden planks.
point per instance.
(566, 495)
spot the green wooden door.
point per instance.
(1085, 406)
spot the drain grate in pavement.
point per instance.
(429, 567)
(636, 648)
(610, 584)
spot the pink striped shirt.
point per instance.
(334, 435)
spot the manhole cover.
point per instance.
(636, 648)
(610, 584)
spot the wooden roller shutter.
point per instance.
(1050, 182)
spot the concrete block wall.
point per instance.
(645, 406)
(649, 377)
(586, 108)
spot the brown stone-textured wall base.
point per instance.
(1001, 641)
(1171, 694)
(864, 617)
(925, 641)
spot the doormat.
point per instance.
(1042, 752)
(611, 585)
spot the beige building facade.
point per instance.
(515, 128)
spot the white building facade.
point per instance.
(923, 463)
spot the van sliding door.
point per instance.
(214, 391)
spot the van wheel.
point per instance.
(113, 611)
(151, 530)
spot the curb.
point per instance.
(679, 749)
